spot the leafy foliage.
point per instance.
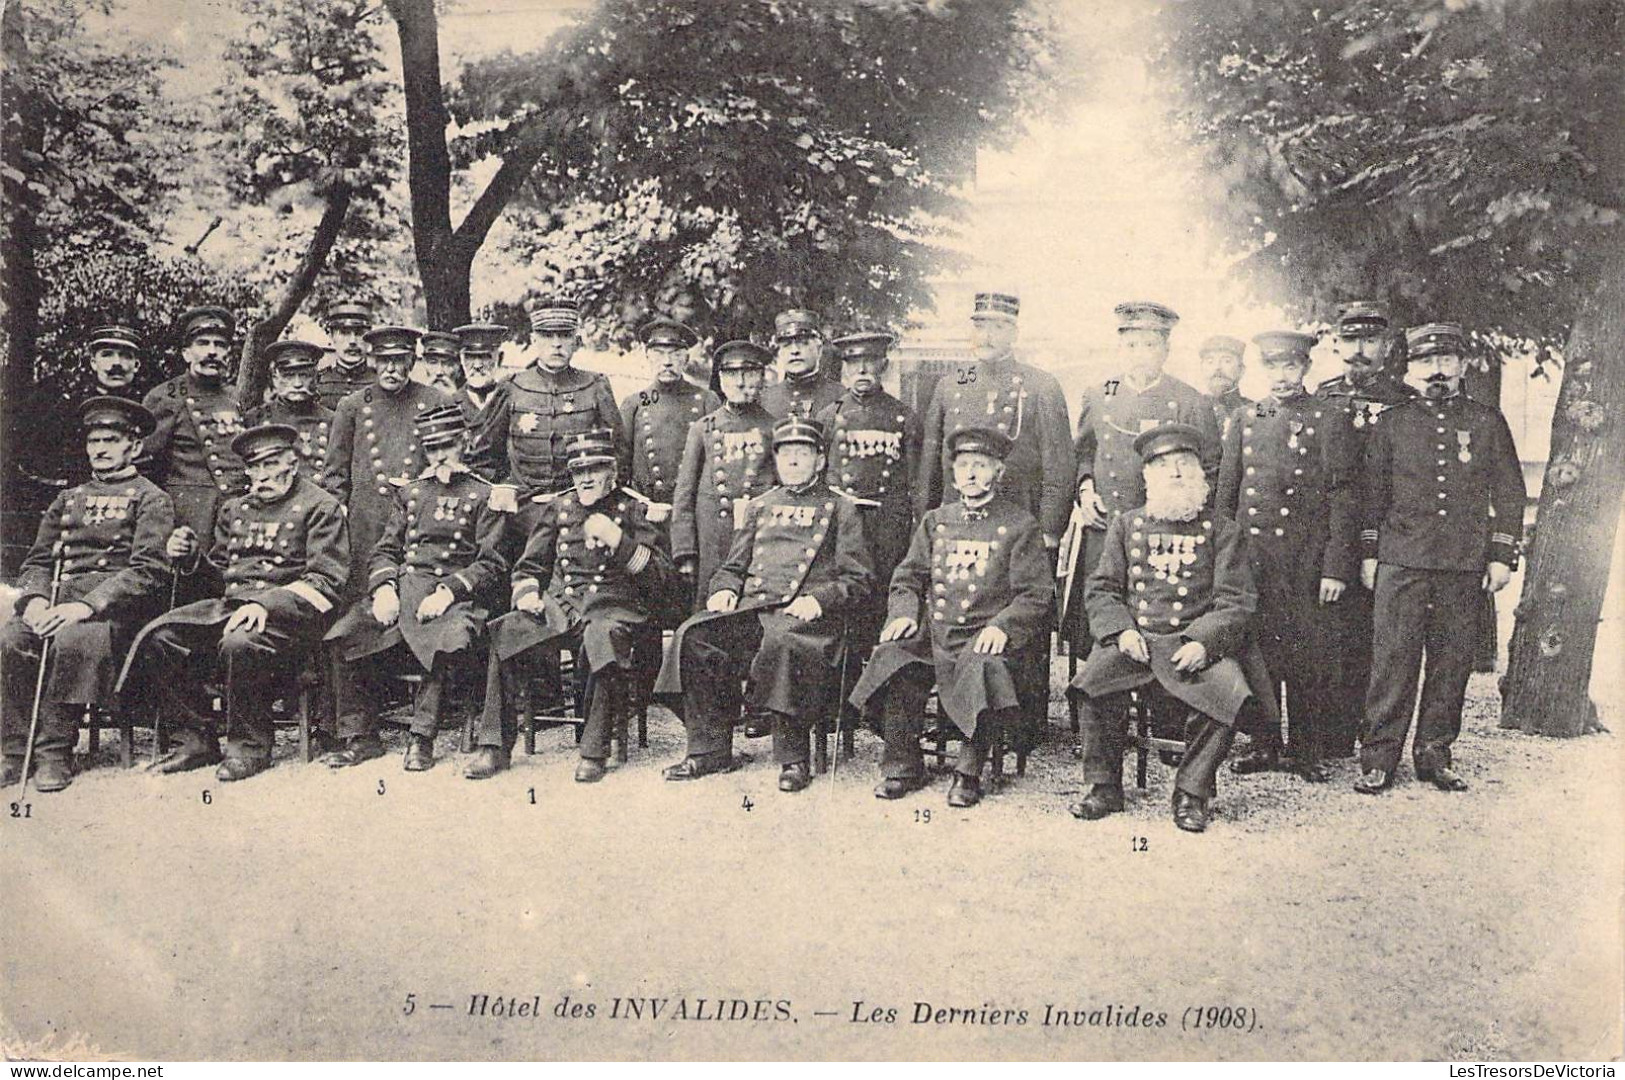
(1461, 157)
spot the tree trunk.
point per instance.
(253, 373)
(1546, 689)
(446, 286)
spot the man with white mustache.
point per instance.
(293, 401)
(1444, 500)
(1168, 603)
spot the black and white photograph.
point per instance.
(812, 530)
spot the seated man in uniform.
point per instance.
(281, 552)
(1168, 605)
(798, 569)
(108, 535)
(979, 567)
(609, 562)
(429, 583)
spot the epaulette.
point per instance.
(547, 496)
(859, 500)
(636, 494)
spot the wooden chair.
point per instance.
(571, 712)
(1143, 735)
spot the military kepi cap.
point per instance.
(1284, 345)
(440, 345)
(741, 355)
(1166, 439)
(594, 447)
(347, 313)
(999, 306)
(868, 343)
(439, 425)
(797, 429)
(115, 334)
(981, 440)
(201, 320)
(1361, 318)
(663, 331)
(119, 413)
(1224, 344)
(1430, 339)
(796, 323)
(481, 339)
(386, 341)
(292, 355)
(1145, 315)
(264, 441)
(554, 313)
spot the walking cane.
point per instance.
(157, 735)
(44, 664)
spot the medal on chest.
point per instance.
(101, 508)
(1464, 440)
(966, 559)
(1295, 428)
(1169, 552)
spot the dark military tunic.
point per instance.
(874, 456)
(1443, 497)
(475, 407)
(291, 557)
(374, 442)
(1290, 478)
(966, 569)
(792, 543)
(48, 439)
(189, 454)
(1364, 404)
(313, 421)
(112, 534)
(727, 460)
(805, 397)
(337, 382)
(1025, 404)
(599, 597)
(1110, 418)
(1226, 405)
(530, 420)
(656, 419)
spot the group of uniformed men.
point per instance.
(1225, 562)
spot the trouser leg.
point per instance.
(714, 660)
(253, 670)
(1206, 743)
(607, 694)
(1350, 630)
(1399, 625)
(182, 662)
(498, 724)
(792, 739)
(58, 726)
(1102, 724)
(904, 722)
(1453, 624)
(358, 686)
(973, 751)
(431, 699)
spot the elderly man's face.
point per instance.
(1285, 375)
(740, 386)
(798, 463)
(991, 338)
(271, 478)
(1436, 376)
(976, 474)
(114, 365)
(394, 369)
(110, 449)
(1221, 370)
(800, 354)
(863, 374)
(667, 358)
(593, 482)
(295, 387)
(206, 353)
(442, 373)
(479, 371)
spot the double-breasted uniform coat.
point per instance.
(291, 557)
(806, 396)
(335, 382)
(189, 453)
(111, 535)
(313, 421)
(727, 461)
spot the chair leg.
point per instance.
(998, 752)
(1142, 741)
(1072, 699)
(820, 736)
(622, 727)
(304, 724)
(643, 725)
(847, 746)
(95, 734)
(126, 742)
(527, 719)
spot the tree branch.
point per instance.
(509, 179)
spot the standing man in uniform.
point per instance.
(442, 360)
(293, 401)
(1169, 603)
(52, 452)
(978, 566)
(776, 607)
(999, 392)
(280, 552)
(726, 462)
(375, 442)
(431, 580)
(610, 565)
(1221, 359)
(533, 416)
(1290, 478)
(480, 354)
(189, 453)
(874, 457)
(345, 368)
(803, 389)
(1140, 397)
(1364, 392)
(109, 534)
(1444, 501)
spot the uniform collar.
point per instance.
(126, 473)
(977, 513)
